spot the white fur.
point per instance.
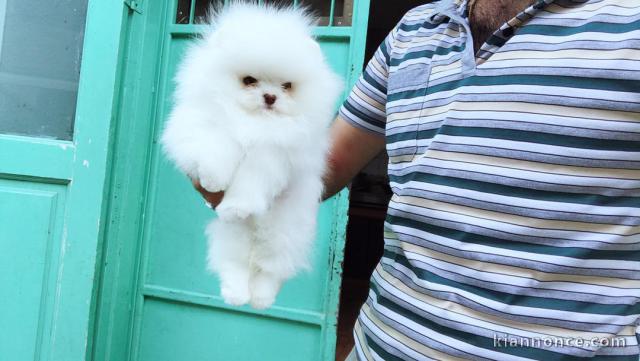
(268, 160)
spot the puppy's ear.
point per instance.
(313, 45)
(215, 38)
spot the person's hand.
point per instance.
(211, 198)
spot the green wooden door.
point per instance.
(55, 118)
(157, 301)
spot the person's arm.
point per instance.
(351, 149)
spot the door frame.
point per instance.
(116, 318)
(95, 110)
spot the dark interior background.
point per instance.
(383, 16)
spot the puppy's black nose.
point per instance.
(270, 99)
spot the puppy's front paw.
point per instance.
(231, 209)
(213, 180)
(212, 185)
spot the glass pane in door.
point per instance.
(40, 53)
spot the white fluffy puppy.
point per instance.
(253, 102)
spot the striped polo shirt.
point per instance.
(513, 232)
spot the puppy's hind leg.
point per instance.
(283, 242)
(264, 287)
(228, 256)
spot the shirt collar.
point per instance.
(460, 6)
(456, 11)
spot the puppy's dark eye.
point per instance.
(249, 80)
(287, 86)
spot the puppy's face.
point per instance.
(271, 73)
(269, 95)
(272, 70)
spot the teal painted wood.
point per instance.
(51, 203)
(39, 158)
(31, 223)
(355, 62)
(156, 300)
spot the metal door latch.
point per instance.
(133, 5)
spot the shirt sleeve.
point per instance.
(366, 105)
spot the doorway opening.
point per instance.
(370, 194)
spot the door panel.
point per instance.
(158, 302)
(174, 331)
(31, 221)
(55, 121)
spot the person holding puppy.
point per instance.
(514, 158)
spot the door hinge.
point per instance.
(133, 5)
